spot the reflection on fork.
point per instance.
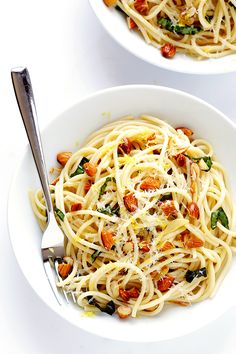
(52, 246)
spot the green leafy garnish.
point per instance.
(109, 308)
(95, 255)
(219, 215)
(104, 186)
(83, 161)
(80, 168)
(60, 214)
(209, 18)
(206, 159)
(223, 218)
(191, 274)
(108, 210)
(208, 162)
(167, 196)
(168, 24)
(116, 210)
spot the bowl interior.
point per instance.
(68, 132)
(116, 25)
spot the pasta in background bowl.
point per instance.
(193, 43)
(68, 132)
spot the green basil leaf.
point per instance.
(83, 161)
(107, 210)
(167, 196)
(208, 162)
(109, 308)
(60, 214)
(206, 159)
(191, 274)
(165, 23)
(95, 255)
(110, 211)
(168, 25)
(104, 186)
(80, 168)
(116, 210)
(219, 215)
(209, 18)
(78, 171)
(223, 218)
(202, 272)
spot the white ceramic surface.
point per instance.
(116, 26)
(73, 126)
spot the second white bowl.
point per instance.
(116, 26)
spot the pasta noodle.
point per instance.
(200, 28)
(147, 217)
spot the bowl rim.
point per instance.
(22, 155)
(164, 64)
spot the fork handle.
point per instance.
(25, 99)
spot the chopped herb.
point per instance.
(116, 209)
(107, 210)
(104, 186)
(208, 162)
(110, 211)
(191, 274)
(223, 218)
(60, 214)
(109, 308)
(206, 159)
(219, 215)
(167, 196)
(209, 18)
(80, 168)
(78, 171)
(83, 161)
(95, 255)
(168, 24)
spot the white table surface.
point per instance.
(69, 55)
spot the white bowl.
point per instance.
(63, 133)
(115, 24)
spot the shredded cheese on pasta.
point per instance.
(155, 250)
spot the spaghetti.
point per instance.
(147, 217)
(200, 28)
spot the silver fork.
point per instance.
(52, 246)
